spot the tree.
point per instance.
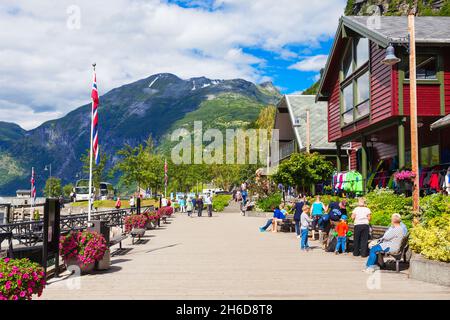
(303, 169)
(98, 171)
(52, 187)
(67, 189)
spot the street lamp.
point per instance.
(48, 167)
(391, 60)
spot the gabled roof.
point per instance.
(394, 29)
(384, 30)
(297, 106)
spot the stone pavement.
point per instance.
(226, 257)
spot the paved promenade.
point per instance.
(226, 257)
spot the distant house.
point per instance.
(23, 193)
(291, 121)
(368, 100)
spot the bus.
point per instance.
(82, 190)
(107, 191)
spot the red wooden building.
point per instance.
(368, 101)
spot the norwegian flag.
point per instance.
(166, 177)
(33, 187)
(95, 102)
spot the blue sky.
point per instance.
(48, 72)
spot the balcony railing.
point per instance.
(287, 149)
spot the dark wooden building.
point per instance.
(368, 101)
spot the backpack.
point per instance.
(335, 215)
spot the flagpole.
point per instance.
(90, 157)
(31, 194)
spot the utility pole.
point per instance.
(308, 132)
(413, 113)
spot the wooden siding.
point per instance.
(381, 101)
(334, 109)
(381, 106)
(428, 99)
(447, 80)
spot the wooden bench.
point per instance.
(398, 255)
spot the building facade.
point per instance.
(368, 100)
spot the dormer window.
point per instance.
(355, 81)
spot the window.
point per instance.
(355, 87)
(429, 156)
(362, 51)
(426, 67)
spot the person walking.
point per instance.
(182, 203)
(209, 206)
(305, 221)
(361, 217)
(189, 206)
(298, 213)
(118, 203)
(199, 204)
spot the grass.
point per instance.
(112, 203)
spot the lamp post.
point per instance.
(391, 59)
(48, 167)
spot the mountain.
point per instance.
(127, 115)
(399, 7)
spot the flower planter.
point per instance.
(84, 268)
(105, 262)
(430, 271)
(137, 232)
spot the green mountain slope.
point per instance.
(128, 115)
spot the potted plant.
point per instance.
(83, 249)
(152, 218)
(404, 179)
(136, 224)
(20, 279)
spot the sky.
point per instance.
(47, 47)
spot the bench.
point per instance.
(117, 237)
(398, 255)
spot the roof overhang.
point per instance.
(441, 123)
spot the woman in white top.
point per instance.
(361, 217)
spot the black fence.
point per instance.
(30, 233)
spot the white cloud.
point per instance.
(45, 65)
(313, 63)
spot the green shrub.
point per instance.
(384, 202)
(434, 206)
(432, 239)
(266, 204)
(220, 202)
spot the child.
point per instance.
(305, 221)
(341, 229)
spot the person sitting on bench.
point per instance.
(277, 215)
(390, 242)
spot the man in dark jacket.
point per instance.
(298, 213)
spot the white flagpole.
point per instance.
(31, 194)
(90, 157)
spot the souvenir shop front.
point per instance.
(378, 155)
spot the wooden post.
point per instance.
(413, 115)
(401, 144)
(308, 132)
(364, 169)
(338, 158)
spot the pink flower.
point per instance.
(22, 294)
(25, 276)
(6, 260)
(15, 297)
(8, 285)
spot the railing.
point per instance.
(29, 233)
(287, 149)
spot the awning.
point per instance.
(441, 123)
